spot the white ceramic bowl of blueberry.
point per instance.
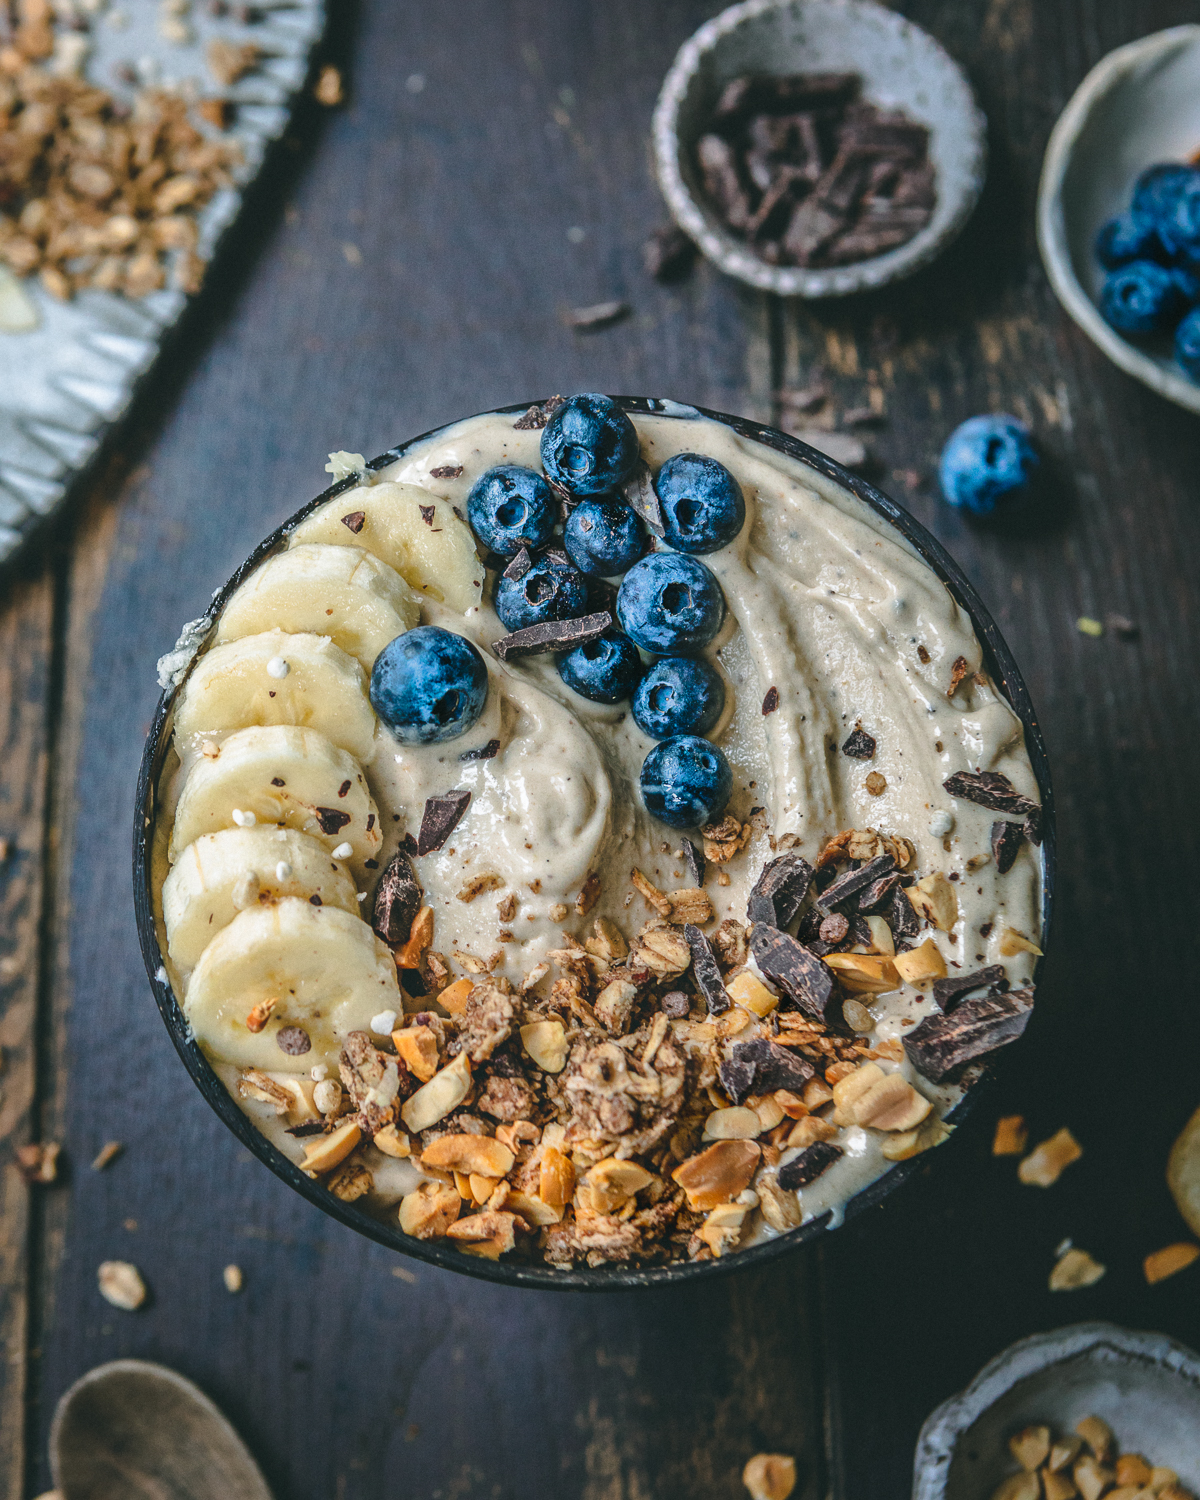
(901, 68)
(1138, 106)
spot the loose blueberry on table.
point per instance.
(604, 538)
(686, 782)
(428, 685)
(678, 695)
(551, 590)
(605, 670)
(589, 446)
(670, 604)
(987, 461)
(511, 507)
(702, 504)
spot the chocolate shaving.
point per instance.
(858, 744)
(801, 975)
(695, 861)
(482, 752)
(639, 494)
(708, 975)
(854, 881)
(770, 701)
(355, 520)
(520, 565)
(331, 819)
(942, 1043)
(780, 890)
(775, 1067)
(537, 416)
(1007, 839)
(552, 635)
(446, 471)
(808, 1166)
(440, 818)
(397, 901)
(989, 789)
(949, 991)
(427, 513)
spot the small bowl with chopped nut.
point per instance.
(474, 876)
(1084, 1411)
(816, 148)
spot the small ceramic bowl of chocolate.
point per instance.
(816, 148)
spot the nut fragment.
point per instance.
(107, 1153)
(865, 973)
(455, 996)
(546, 1044)
(260, 1014)
(1132, 1469)
(934, 898)
(428, 1212)
(417, 1048)
(328, 1151)
(1019, 1487)
(233, 1279)
(883, 1101)
(607, 941)
(770, 1476)
(747, 990)
(1030, 1447)
(1166, 1262)
(1013, 942)
(810, 1130)
(1063, 1452)
(1098, 1435)
(719, 1174)
(1091, 1477)
(556, 1184)
(354, 1181)
(121, 1284)
(328, 89)
(779, 1207)
(434, 1100)
(610, 1184)
(392, 1142)
(614, 1006)
(723, 1228)
(1075, 1269)
(420, 937)
(469, 1153)
(921, 965)
(1057, 1486)
(38, 1163)
(737, 1124)
(1046, 1163)
(1012, 1136)
(489, 1234)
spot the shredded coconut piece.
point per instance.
(173, 666)
(283, 871)
(244, 819)
(342, 464)
(277, 667)
(343, 851)
(383, 1023)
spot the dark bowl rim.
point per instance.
(1004, 672)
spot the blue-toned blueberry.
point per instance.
(428, 685)
(589, 446)
(678, 695)
(1128, 237)
(1141, 298)
(551, 590)
(702, 504)
(1188, 283)
(605, 670)
(1187, 344)
(510, 507)
(686, 782)
(1158, 189)
(604, 538)
(670, 604)
(987, 460)
(1180, 229)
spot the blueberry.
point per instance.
(1158, 189)
(670, 604)
(1180, 229)
(589, 446)
(551, 590)
(678, 695)
(1188, 283)
(605, 670)
(428, 685)
(987, 460)
(604, 537)
(686, 782)
(1141, 298)
(701, 501)
(510, 507)
(1187, 344)
(1128, 237)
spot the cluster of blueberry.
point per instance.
(1152, 254)
(430, 685)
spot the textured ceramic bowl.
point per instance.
(1138, 105)
(1144, 1385)
(1000, 666)
(902, 67)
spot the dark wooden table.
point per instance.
(406, 260)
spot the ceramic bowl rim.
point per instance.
(999, 662)
(1108, 73)
(730, 254)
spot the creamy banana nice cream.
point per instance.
(476, 984)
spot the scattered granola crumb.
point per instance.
(1046, 1163)
(1012, 1136)
(228, 61)
(232, 1277)
(1166, 1262)
(328, 89)
(121, 1284)
(1087, 626)
(770, 1476)
(107, 1154)
(1075, 1269)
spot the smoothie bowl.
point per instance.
(593, 844)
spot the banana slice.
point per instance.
(436, 555)
(281, 775)
(238, 868)
(326, 970)
(277, 678)
(341, 592)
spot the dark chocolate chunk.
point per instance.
(775, 1067)
(537, 416)
(1033, 827)
(344, 788)
(310, 1127)
(942, 1043)
(440, 818)
(482, 752)
(878, 892)
(949, 991)
(355, 520)
(989, 789)
(552, 635)
(901, 916)
(446, 471)
(668, 254)
(802, 976)
(1007, 839)
(695, 861)
(427, 513)
(412, 983)
(331, 819)
(315, 900)
(599, 315)
(834, 928)
(708, 975)
(520, 565)
(770, 701)
(278, 781)
(854, 881)
(676, 1004)
(771, 93)
(780, 890)
(808, 1166)
(397, 900)
(293, 1040)
(409, 844)
(639, 494)
(858, 744)
(737, 1078)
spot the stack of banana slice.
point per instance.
(276, 835)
